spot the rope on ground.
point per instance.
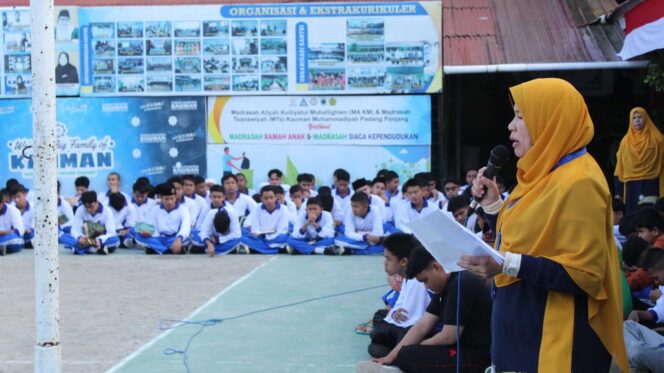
(168, 324)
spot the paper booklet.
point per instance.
(145, 228)
(447, 240)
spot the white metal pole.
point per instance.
(47, 292)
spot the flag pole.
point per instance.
(47, 292)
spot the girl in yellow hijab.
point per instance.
(640, 168)
(557, 299)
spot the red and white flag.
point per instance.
(644, 31)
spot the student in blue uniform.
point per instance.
(11, 226)
(65, 215)
(141, 202)
(27, 214)
(307, 183)
(313, 231)
(82, 184)
(416, 209)
(341, 194)
(268, 224)
(171, 224)
(220, 232)
(103, 241)
(189, 190)
(124, 216)
(243, 204)
(188, 203)
(363, 228)
(114, 183)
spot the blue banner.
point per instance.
(153, 137)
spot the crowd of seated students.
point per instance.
(191, 214)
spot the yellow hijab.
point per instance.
(564, 215)
(641, 152)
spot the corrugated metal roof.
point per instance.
(485, 32)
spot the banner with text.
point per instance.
(272, 49)
(307, 120)
(136, 137)
(254, 161)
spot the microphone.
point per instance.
(499, 155)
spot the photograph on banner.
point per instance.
(360, 161)
(313, 120)
(153, 137)
(289, 49)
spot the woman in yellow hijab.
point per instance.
(640, 168)
(557, 298)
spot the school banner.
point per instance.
(272, 49)
(16, 65)
(314, 120)
(254, 161)
(136, 137)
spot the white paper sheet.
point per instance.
(447, 240)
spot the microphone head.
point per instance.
(499, 155)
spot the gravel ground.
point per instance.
(109, 305)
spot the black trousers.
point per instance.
(384, 336)
(429, 359)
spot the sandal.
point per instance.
(365, 328)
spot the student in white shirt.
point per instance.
(220, 232)
(269, 224)
(141, 202)
(243, 204)
(193, 207)
(65, 214)
(313, 231)
(171, 224)
(363, 228)
(242, 185)
(459, 206)
(11, 227)
(306, 182)
(378, 189)
(342, 195)
(392, 188)
(433, 195)
(189, 190)
(91, 211)
(412, 302)
(114, 182)
(82, 184)
(297, 203)
(290, 205)
(124, 216)
(363, 185)
(416, 209)
(202, 190)
(27, 214)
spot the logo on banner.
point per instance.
(75, 155)
(180, 169)
(115, 107)
(152, 106)
(152, 138)
(184, 137)
(184, 105)
(151, 171)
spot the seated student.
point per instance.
(290, 206)
(124, 216)
(378, 189)
(634, 249)
(11, 226)
(653, 264)
(27, 214)
(65, 214)
(189, 190)
(268, 224)
(201, 188)
(13, 184)
(197, 239)
(392, 188)
(141, 202)
(424, 350)
(471, 174)
(242, 185)
(114, 182)
(410, 305)
(432, 194)
(363, 185)
(297, 203)
(313, 231)
(416, 209)
(363, 228)
(94, 227)
(618, 214)
(306, 182)
(169, 225)
(451, 188)
(220, 232)
(459, 206)
(274, 178)
(82, 183)
(243, 204)
(341, 195)
(650, 224)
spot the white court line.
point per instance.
(190, 317)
